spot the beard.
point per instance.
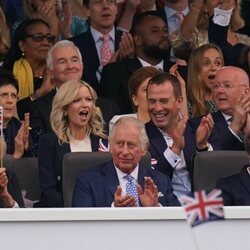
(155, 51)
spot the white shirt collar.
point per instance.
(227, 117)
(121, 174)
(145, 64)
(171, 12)
(97, 35)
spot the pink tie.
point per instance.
(179, 16)
(105, 50)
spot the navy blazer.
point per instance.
(236, 188)
(221, 137)
(157, 146)
(86, 44)
(96, 187)
(50, 156)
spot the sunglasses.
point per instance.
(40, 37)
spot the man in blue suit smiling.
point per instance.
(124, 182)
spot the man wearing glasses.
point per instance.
(232, 120)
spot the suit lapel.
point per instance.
(111, 179)
(141, 174)
(156, 138)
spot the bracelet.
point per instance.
(194, 8)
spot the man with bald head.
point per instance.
(232, 120)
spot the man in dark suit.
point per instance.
(232, 120)
(236, 188)
(172, 141)
(65, 63)
(151, 45)
(102, 18)
(123, 182)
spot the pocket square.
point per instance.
(153, 161)
(160, 194)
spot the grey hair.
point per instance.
(125, 120)
(60, 44)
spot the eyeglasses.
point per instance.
(7, 95)
(40, 37)
(225, 86)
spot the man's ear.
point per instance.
(145, 149)
(180, 102)
(137, 40)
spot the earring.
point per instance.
(23, 54)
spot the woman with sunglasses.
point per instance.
(27, 59)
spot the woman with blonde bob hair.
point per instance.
(78, 127)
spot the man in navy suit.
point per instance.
(108, 185)
(232, 120)
(102, 18)
(172, 141)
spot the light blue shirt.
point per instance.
(181, 180)
(172, 19)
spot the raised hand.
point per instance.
(22, 138)
(65, 21)
(149, 196)
(174, 71)
(242, 108)
(123, 200)
(177, 134)
(204, 131)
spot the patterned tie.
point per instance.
(179, 17)
(105, 50)
(131, 188)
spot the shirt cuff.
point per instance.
(171, 157)
(235, 134)
(15, 205)
(222, 17)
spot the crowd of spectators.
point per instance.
(73, 73)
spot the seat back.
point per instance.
(26, 170)
(76, 162)
(210, 166)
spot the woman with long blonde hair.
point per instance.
(203, 65)
(78, 127)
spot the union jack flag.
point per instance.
(203, 207)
